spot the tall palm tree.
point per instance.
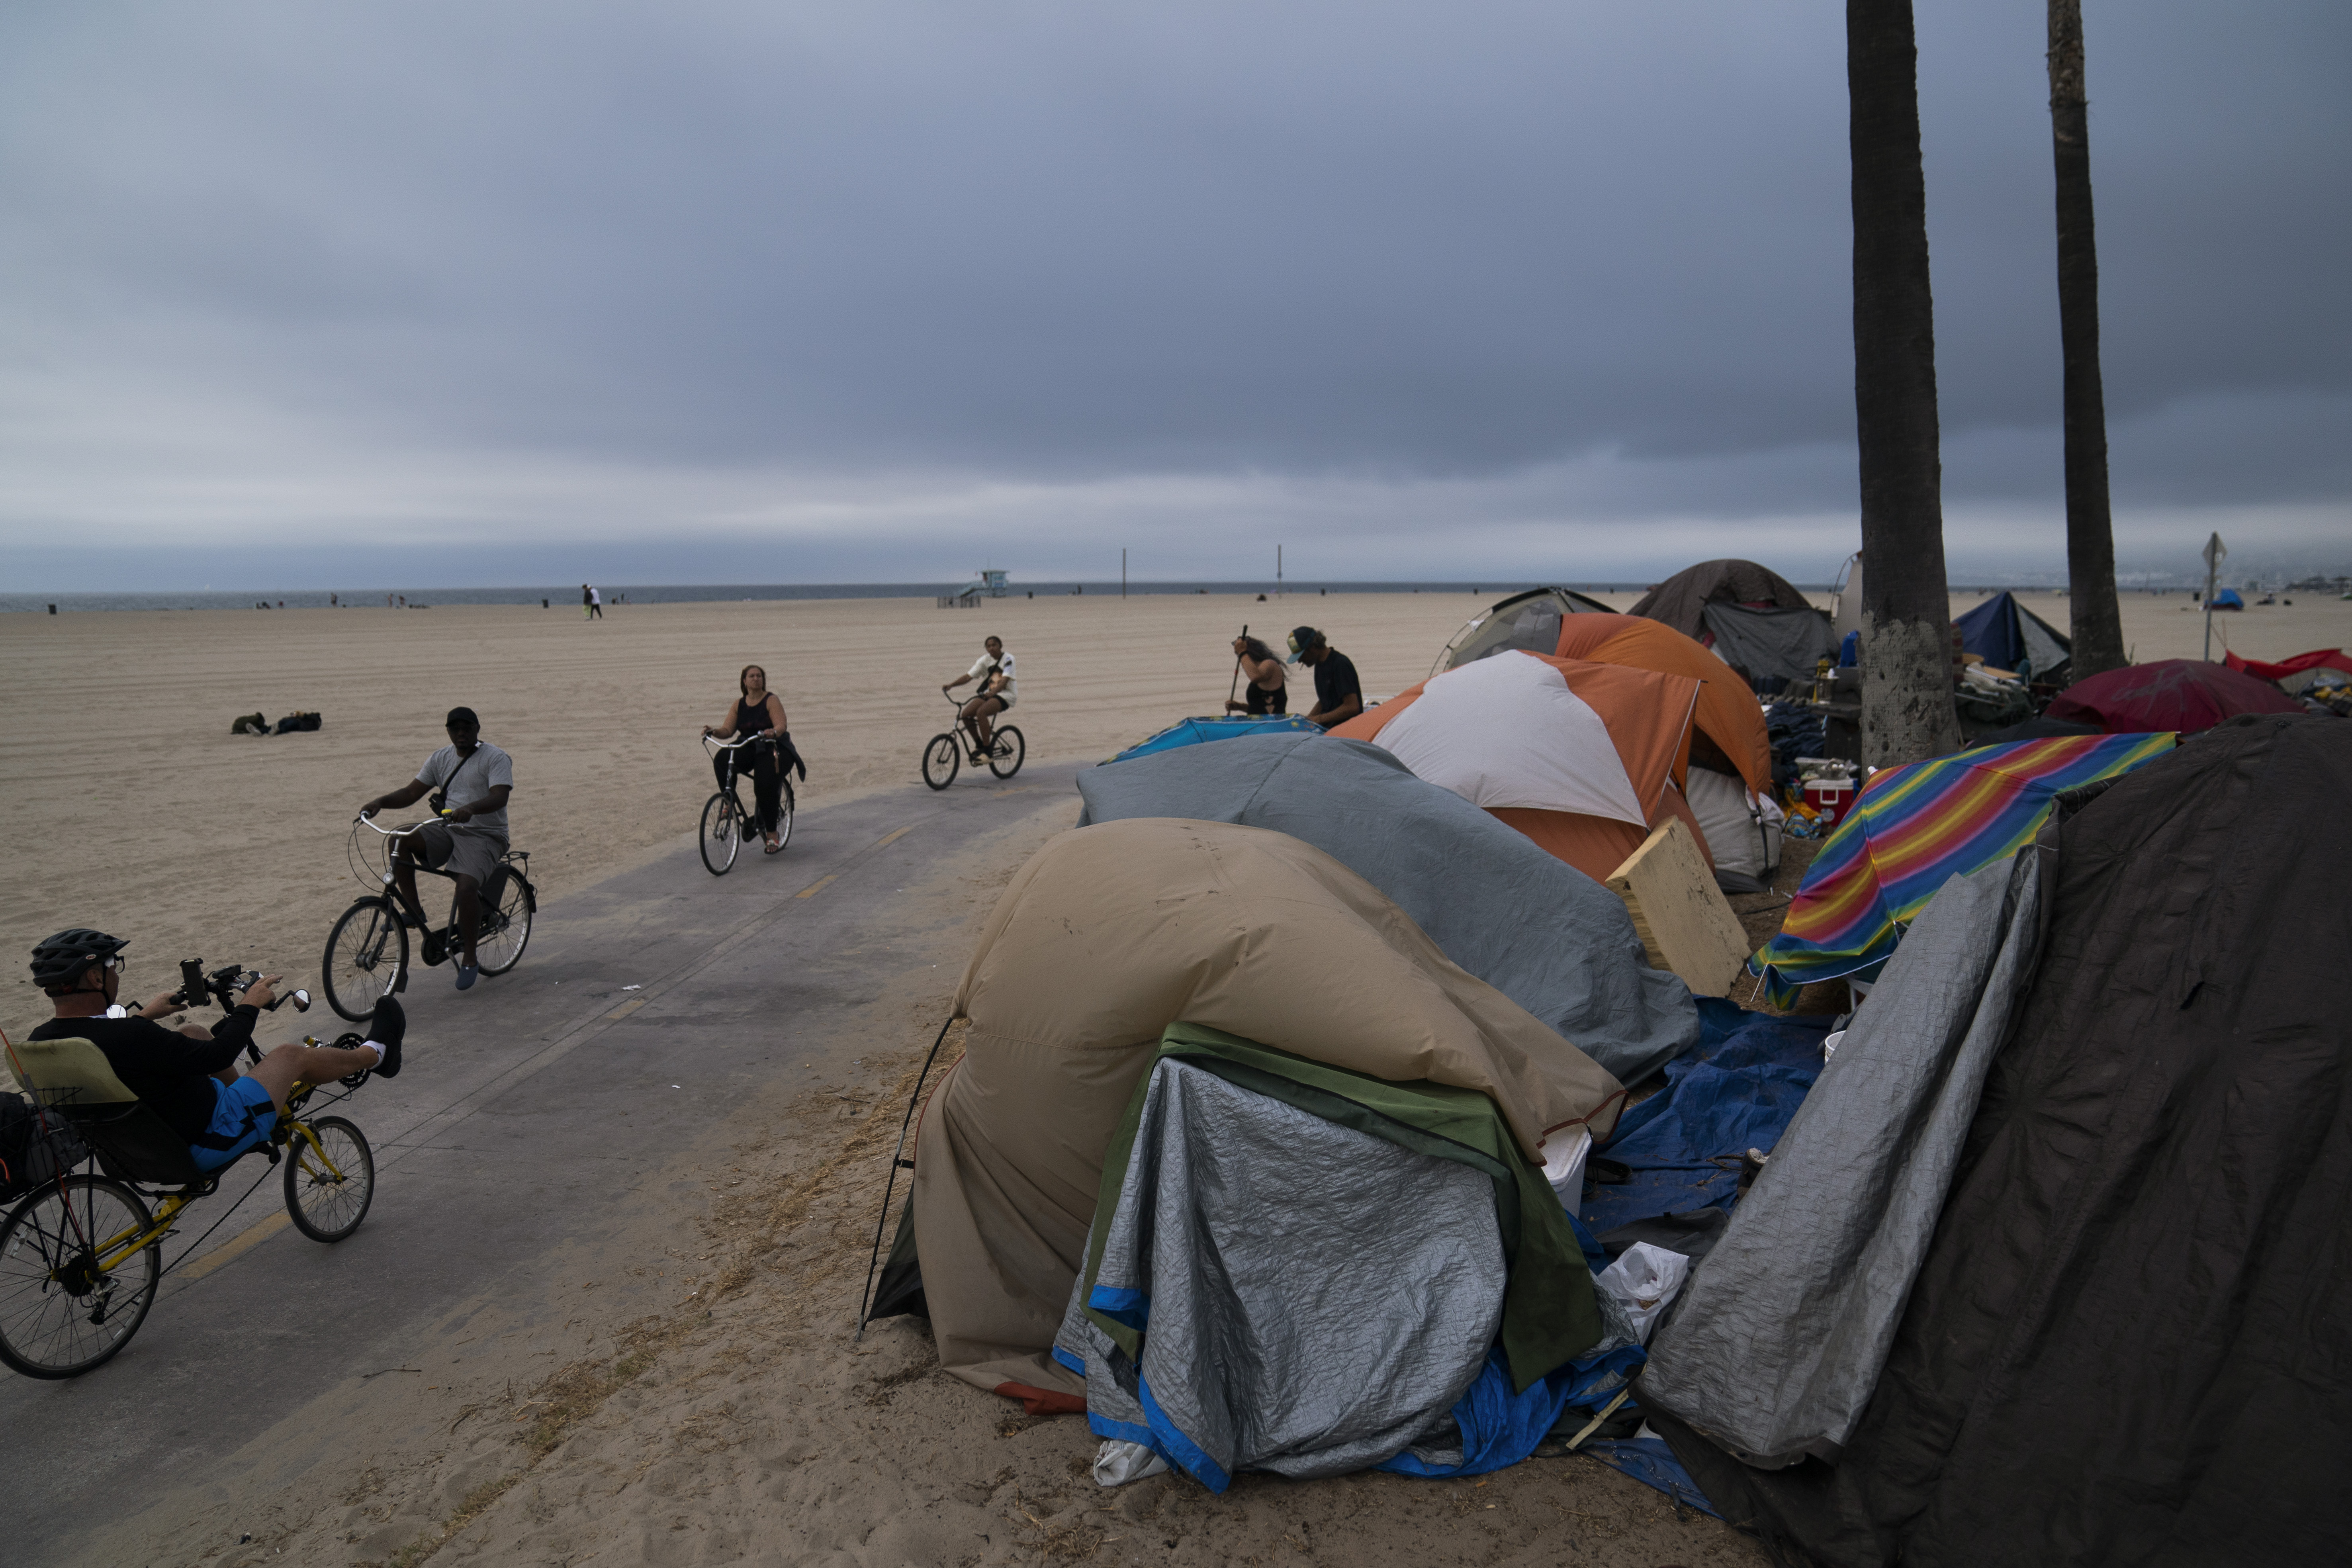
(1906, 640)
(2098, 631)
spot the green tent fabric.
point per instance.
(1550, 1314)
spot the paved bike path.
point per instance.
(533, 1127)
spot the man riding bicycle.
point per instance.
(470, 781)
(189, 1077)
(997, 692)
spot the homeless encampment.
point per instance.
(2095, 1310)
(1578, 756)
(1304, 973)
(1543, 933)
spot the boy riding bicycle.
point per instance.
(997, 692)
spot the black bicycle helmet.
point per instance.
(60, 961)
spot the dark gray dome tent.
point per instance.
(1755, 619)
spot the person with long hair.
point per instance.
(1267, 691)
(757, 710)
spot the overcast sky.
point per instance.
(295, 295)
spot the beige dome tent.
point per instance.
(1108, 935)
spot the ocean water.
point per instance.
(673, 593)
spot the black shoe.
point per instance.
(385, 1029)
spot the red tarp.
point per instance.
(2186, 694)
(2337, 657)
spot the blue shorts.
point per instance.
(243, 1114)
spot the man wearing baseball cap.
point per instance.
(1339, 695)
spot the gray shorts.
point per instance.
(460, 848)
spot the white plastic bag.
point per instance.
(1117, 1462)
(1644, 1281)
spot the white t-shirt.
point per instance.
(476, 776)
(984, 667)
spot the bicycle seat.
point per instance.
(133, 1143)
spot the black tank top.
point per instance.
(750, 719)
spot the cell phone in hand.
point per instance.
(192, 989)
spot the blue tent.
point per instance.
(2227, 599)
(2008, 635)
(1192, 731)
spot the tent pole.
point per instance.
(897, 1159)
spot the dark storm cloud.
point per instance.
(1586, 263)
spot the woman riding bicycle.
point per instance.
(759, 712)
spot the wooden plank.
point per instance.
(1685, 922)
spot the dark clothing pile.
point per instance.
(1795, 730)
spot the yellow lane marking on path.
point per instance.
(230, 1251)
(626, 1008)
(894, 837)
(812, 890)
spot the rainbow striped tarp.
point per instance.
(1915, 827)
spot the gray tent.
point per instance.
(1536, 929)
(1770, 644)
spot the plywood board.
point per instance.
(1686, 923)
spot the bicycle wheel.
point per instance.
(60, 1313)
(508, 904)
(367, 952)
(940, 760)
(327, 1205)
(722, 831)
(784, 817)
(1005, 749)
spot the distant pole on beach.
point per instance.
(1122, 572)
(2215, 553)
(1278, 570)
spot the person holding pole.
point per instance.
(1268, 690)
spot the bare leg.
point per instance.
(469, 916)
(404, 882)
(286, 1066)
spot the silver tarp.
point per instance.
(1551, 938)
(1317, 1298)
(1777, 1341)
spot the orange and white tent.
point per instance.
(1576, 755)
(1727, 710)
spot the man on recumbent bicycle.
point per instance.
(470, 781)
(188, 1077)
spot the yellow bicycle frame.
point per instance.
(119, 1248)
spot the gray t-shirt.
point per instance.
(475, 777)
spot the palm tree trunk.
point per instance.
(1906, 640)
(2099, 632)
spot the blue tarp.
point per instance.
(1651, 1462)
(1733, 1091)
(1500, 1428)
(1192, 731)
(2227, 599)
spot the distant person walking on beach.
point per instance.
(1267, 693)
(591, 604)
(757, 710)
(998, 689)
(1339, 695)
(470, 781)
